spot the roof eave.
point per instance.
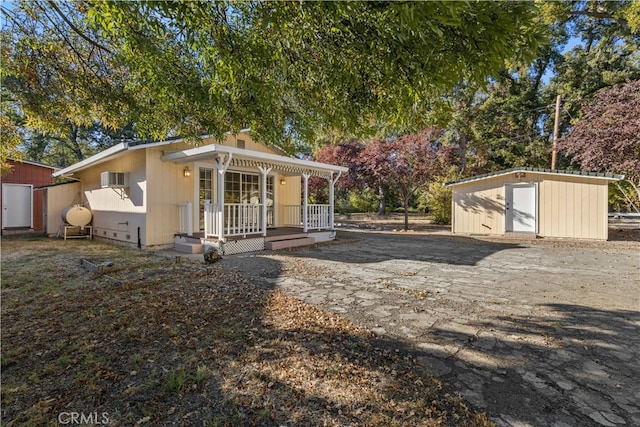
(101, 157)
(592, 175)
(215, 150)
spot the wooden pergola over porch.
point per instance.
(224, 221)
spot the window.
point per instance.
(241, 188)
(240, 143)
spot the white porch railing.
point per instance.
(291, 215)
(185, 218)
(317, 216)
(240, 219)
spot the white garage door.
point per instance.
(17, 205)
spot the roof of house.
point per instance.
(243, 157)
(595, 175)
(209, 151)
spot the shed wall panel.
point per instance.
(568, 207)
(36, 175)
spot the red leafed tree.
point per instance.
(607, 136)
(345, 154)
(403, 165)
(408, 163)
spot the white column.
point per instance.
(305, 202)
(263, 198)
(189, 218)
(221, 166)
(332, 183)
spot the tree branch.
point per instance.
(601, 15)
(76, 29)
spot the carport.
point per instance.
(534, 202)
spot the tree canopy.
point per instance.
(288, 70)
(607, 135)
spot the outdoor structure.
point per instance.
(22, 201)
(237, 195)
(534, 202)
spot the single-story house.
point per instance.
(235, 194)
(22, 201)
(535, 202)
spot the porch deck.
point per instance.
(276, 238)
(272, 234)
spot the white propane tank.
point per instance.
(77, 215)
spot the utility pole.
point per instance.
(556, 131)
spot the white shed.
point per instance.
(541, 202)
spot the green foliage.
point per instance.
(364, 201)
(437, 197)
(291, 70)
(623, 197)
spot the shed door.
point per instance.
(17, 205)
(521, 208)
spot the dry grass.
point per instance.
(186, 345)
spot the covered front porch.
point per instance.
(253, 196)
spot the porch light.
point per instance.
(282, 181)
(187, 171)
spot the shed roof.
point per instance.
(594, 175)
(34, 163)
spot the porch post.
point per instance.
(221, 166)
(189, 218)
(332, 183)
(263, 196)
(305, 201)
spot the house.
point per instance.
(22, 201)
(236, 194)
(533, 202)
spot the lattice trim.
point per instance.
(241, 246)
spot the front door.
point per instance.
(521, 208)
(205, 192)
(17, 206)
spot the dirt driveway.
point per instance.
(534, 333)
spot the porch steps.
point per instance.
(289, 242)
(285, 237)
(189, 245)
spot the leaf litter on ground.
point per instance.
(186, 344)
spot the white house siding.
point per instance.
(118, 213)
(59, 198)
(568, 206)
(169, 188)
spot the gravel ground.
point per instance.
(532, 332)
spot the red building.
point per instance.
(22, 201)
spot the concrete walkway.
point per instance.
(534, 334)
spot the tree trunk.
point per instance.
(405, 202)
(382, 207)
(73, 140)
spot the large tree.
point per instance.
(290, 69)
(63, 82)
(606, 138)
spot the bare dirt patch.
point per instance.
(189, 344)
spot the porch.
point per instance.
(275, 239)
(240, 207)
